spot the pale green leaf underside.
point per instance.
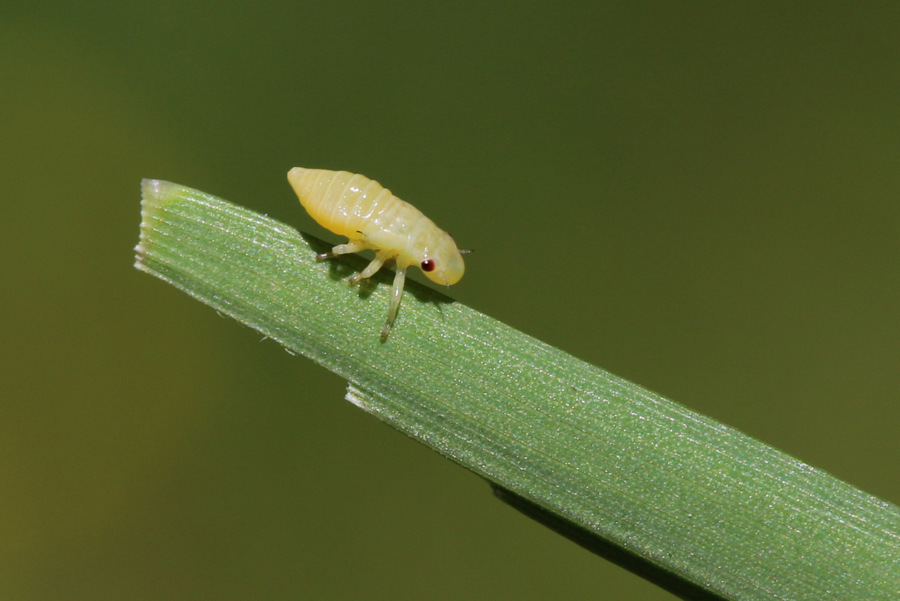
(687, 494)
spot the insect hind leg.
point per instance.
(342, 249)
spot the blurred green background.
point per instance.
(701, 198)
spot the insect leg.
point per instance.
(396, 295)
(369, 271)
(342, 249)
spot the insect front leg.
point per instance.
(396, 295)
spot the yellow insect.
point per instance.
(371, 217)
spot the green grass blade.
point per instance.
(690, 498)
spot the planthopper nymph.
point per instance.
(371, 217)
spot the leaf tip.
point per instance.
(154, 194)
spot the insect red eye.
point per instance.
(427, 265)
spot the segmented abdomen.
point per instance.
(348, 203)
